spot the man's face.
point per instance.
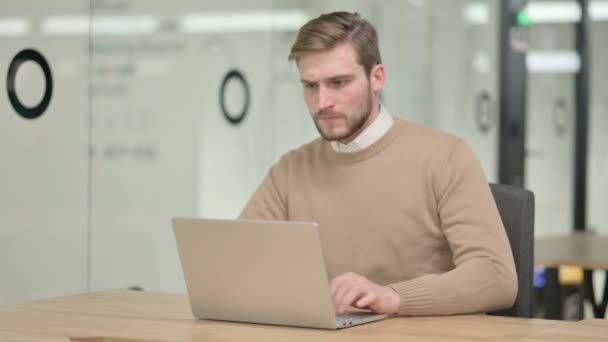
(338, 93)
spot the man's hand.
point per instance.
(353, 289)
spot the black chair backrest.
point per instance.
(516, 208)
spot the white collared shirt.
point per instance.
(370, 135)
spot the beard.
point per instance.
(354, 123)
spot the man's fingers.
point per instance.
(353, 289)
(342, 279)
(339, 281)
(341, 284)
(366, 300)
(353, 294)
(339, 293)
(335, 284)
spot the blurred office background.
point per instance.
(155, 109)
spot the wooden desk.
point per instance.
(595, 322)
(578, 249)
(587, 334)
(585, 330)
(143, 316)
(585, 250)
(11, 336)
(118, 304)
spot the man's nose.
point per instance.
(325, 99)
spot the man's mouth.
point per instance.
(329, 117)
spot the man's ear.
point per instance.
(377, 78)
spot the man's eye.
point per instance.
(339, 83)
(310, 85)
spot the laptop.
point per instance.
(269, 272)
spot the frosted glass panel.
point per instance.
(550, 133)
(464, 75)
(162, 145)
(43, 202)
(598, 127)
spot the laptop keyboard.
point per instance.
(353, 318)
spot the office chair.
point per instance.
(516, 208)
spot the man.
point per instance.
(407, 221)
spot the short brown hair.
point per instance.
(331, 29)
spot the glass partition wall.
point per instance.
(44, 105)
(160, 110)
(205, 101)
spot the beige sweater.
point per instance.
(413, 211)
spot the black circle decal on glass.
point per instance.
(560, 116)
(234, 75)
(483, 116)
(22, 57)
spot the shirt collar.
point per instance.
(370, 135)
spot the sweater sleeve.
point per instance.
(269, 201)
(484, 277)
